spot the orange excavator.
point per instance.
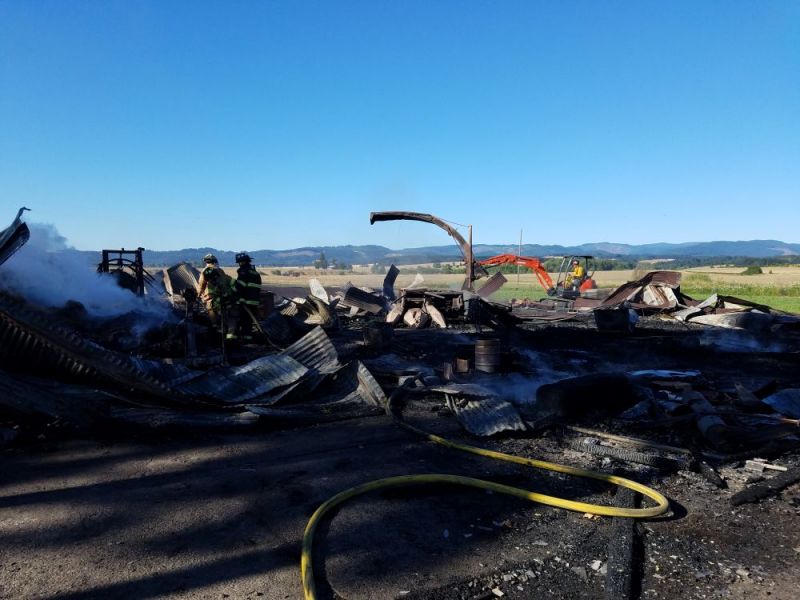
(566, 287)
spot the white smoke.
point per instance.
(49, 272)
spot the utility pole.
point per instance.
(470, 259)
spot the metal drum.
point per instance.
(488, 353)
(465, 354)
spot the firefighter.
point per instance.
(215, 289)
(247, 288)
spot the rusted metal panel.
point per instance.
(494, 283)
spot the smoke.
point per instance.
(520, 389)
(49, 272)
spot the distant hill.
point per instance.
(360, 255)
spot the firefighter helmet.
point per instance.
(210, 259)
(243, 257)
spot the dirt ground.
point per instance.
(221, 515)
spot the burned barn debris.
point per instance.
(629, 385)
(14, 236)
(127, 266)
(181, 368)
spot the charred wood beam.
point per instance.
(768, 488)
(622, 575)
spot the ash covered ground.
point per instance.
(175, 512)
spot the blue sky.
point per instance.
(249, 125)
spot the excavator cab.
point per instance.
(568, 285)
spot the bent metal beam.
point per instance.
(474, 270)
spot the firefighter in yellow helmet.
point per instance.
(215, 289)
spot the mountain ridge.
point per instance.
(370, 254)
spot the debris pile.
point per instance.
(658, 292)
(324, 355)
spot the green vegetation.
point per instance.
(753, 270)
(780, 297)
(697, 285)
(321, 262)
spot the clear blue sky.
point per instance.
(249, 125)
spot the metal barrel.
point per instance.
(465, 354)
(488, 352)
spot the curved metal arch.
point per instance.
(477, 270)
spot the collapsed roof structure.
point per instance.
(661, 398)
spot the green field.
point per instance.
(782, 295)
(778, 287)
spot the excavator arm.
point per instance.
(534, 264)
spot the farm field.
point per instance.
(778, 287)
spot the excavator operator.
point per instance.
(576, 276)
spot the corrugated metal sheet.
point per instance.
(289, 309)
(318, 312)
(315, 351)
(464, 389)
(78, 405)
(369, 389)
(180, 277)
(486, 416)
(266, 374)
(355, 381)
(363, 300)
(170, 373)
(350, 392)
(634, 291)
(29, 339)
(160, 418)
(237, 385)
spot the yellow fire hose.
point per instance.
(662, 504)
